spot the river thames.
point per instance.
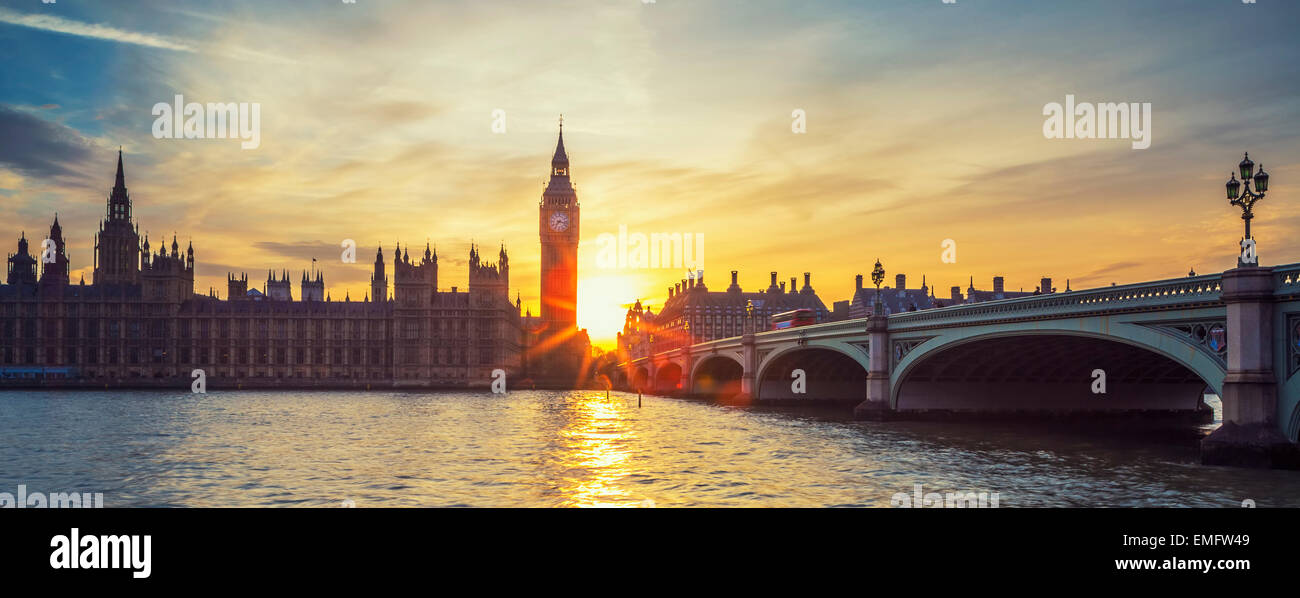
(545, 449)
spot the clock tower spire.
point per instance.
(558, 226)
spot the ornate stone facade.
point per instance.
(141, 324)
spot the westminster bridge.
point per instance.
(1144, 348)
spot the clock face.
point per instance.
(559, 222)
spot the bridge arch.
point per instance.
(668, 378)
(717, 375)
(830, 372)
(1053, 369)
(640, 378)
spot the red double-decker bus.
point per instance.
(791, 319)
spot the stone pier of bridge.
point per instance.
(1251, 434)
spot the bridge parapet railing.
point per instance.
(1286, 280)
(1195, 289)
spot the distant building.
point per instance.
(894, 300)
(140, 322)
(694, 314)
(999, 291)
(840, 310)
(900, 298)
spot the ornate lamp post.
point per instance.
(1245, 199)
(749, 317)
(686, 326)
(878, 276)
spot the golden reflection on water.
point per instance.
(596, 454)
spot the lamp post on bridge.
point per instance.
(749, 357)
(1252, 433)
(1240, 195)
(878, 276)
(875, 405)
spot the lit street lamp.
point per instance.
(1245, 199)
(749, 316)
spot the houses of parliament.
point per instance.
(140, 323)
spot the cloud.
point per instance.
(306, 251)
(93, 30)
(38, 147)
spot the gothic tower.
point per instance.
(558, 226)
(379, 280)
(22, 266)
(312, 289)
(54, 259)
(236, 288)
(117, 244)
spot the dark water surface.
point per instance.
(536, 448)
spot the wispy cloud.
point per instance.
(93, 30)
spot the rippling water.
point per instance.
(535, 448)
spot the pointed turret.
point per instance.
(119, 201)
(54, 268)
(379, 278)
(559, 183)
(560, 161)
(22, 266)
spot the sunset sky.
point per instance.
(924, 123)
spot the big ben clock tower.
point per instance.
(558, 215)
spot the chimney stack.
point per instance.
(1045, 286)
(859, 281)
(997, 284)
(956, 293)
(794, 285)
(900, 281)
